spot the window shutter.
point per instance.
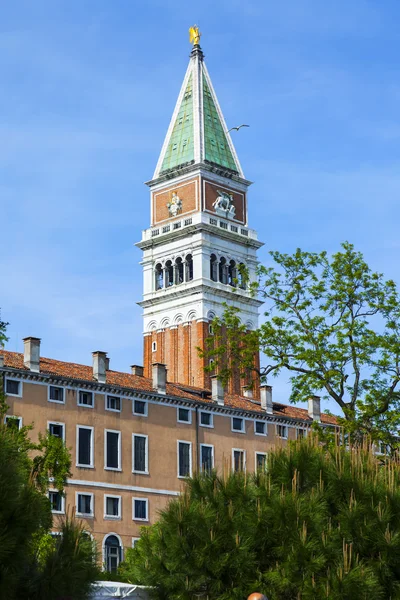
(84, 446)
(140, 453)
(112, 449)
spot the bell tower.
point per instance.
(199, 234)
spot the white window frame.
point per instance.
(86, 515)
(189, 422)
(212, 455)
(116, 410)
(9, 417)
(265, 428)
(190, 458)
(211, 426)
(57, 423)
(154, 346)
(146, 472)
(244, 460)
(146, 408)
(119, 468)
(134, 540)
(257, 453)
(113, 517)
(133, 509)
(243, 430)
(86, 392)
(282, 437)
(304, 430)
(57, 512)
(77, 464)
(20, 387)
(103, 548)
(55, 401)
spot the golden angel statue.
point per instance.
(195, 35)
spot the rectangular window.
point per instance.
(84, 504)
(84, 446)
(13, 387)
(301, 433)
(56, 502)
(56, 394)
(135, 541)
(140, 408)
(184, 415)
(85, 398)
(238, 424)
(206, 419)
(238, 460)
(261, 462)
(112, 454)
(13, 422)
(113, 403)
(140, 453)
(140, 509)
(260, 428)
(281, 431)
(112, 507)
(206, 458)
(56, 429)
(184, 459)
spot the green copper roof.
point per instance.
(181, 146)
(215, 143)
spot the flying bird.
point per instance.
(237, 128)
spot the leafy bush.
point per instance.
(322, 522)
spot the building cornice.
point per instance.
(152, 396)
(173, 292)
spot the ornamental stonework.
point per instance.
(175, 200)
(224, 202)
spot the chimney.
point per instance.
(159, 372)
(1, 360)
(137, 370)
(32, 353)
(314, 408)
(247, 392)
(266, 398)
(217, 390)
(107, 363)
(99, 366)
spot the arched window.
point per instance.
(112, 553)
(159, 277)
(169, 274)
(223, 271)
(242, 276)
(213, 268)
(178, 271)
(232, 274)
(189, 268)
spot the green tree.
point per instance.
(33, 564)
(318, 524)
(333, 325)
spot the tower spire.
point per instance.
(197, 134)
(199, 239)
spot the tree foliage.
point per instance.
(333, 325)
(33, 564)
(321, 523)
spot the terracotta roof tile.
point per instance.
(51, 366)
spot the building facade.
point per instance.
(134, 437)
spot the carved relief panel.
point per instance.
(224, 202)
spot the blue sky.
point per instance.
(88, 89)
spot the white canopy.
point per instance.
(107, 590)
